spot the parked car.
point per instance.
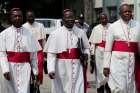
(50, 24)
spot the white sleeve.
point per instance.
(91, 36)
(34, 62)
(86, 44)
(4, 62)
(108, 48)
(92, 46)
(51, 59)
(92, 49)
(3, 56)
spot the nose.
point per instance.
(127, 12)
(18, 17)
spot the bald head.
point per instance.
(125, 12)
(68, 18)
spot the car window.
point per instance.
(50, 24)
(47, 23)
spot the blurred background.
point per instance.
(53, 8)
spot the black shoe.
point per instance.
(101, 89)
(107, 88)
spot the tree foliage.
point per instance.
(42, 8)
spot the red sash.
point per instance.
(40, 57)
(123, 46)
(69, 54)
(102, 44)
(18, 57)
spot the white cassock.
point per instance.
(97, 40)
(37, 29)
(38, 32)
(121, 44)
(18, 55)
(62, 58)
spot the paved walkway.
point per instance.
(46, 87)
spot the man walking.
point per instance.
(18, 54)
(64, 65)
(122, 44)
(38, 31)
(97, 41)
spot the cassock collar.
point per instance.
(68, 29)
(106, 26)
(16, 27)
(129, 23)
(31, 24)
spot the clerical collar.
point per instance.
(16, 27)
(105, 25)
(30, 23)
(69, 29)
(126, 22)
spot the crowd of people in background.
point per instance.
(112, 49)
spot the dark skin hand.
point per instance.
(7, 75)
(52, 75)
(106, 72)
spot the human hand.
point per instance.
(106, 72)
(7, 75)
(51, 75)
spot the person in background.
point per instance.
(38, 31)
(122, 44)
(97, 41)
(80, 23)
(18, 54)
(62, 47)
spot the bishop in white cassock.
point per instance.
(122, 44)
(63, 58)
(38, 31)
(97, 40)
(18, 55)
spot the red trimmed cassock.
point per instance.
(63, 59)
(18, 55)
(97, 40)
(122, 44)
(38, 31)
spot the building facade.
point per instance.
(111, 8)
